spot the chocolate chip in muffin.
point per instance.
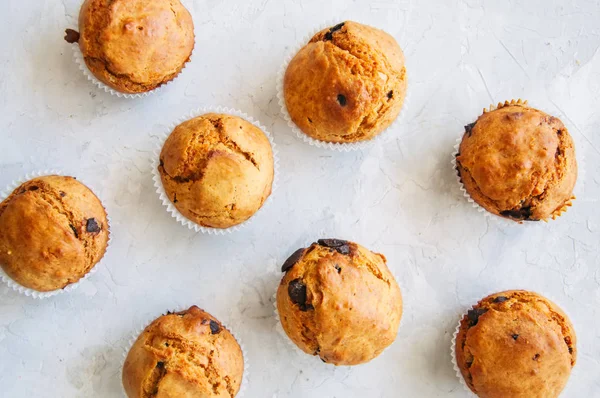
(297, 293)
(500, 299)
(524, 213)
(536, 357)
(473, 315)
(329, 35)
(390, 95)
(342, 99)
(469, 128)
(338, 268)
(74, 230)
(341, 246)
(214, 327)
(33, 188)
(92, 226)
(71, 36)
(515, 336)
(62, 194)
(292, 260)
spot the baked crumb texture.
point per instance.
(518, 162)
(516, 344)
(339, 301)
(347, 84)
(184, 354)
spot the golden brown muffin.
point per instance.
(347, 84)
(134, 46)
(53, 231)
(186, 354)
(518, 162)
(217, 169)
(339, 301)
(516, 344)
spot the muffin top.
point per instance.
(518, 162)
(186, 354)
(135, 45)
(339, 301)
(347, 84)
(217, 169)
(516, 344)
(53, 230)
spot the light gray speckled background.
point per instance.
(399, 197)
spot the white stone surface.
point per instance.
(399, 197)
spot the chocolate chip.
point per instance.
(390, 95)
(473, 315)
(329, 35)
(33, 188)
(570, 350)
(74, 230)
(469, 128)
(536, 356)
(166, 344)
(297, 293)
(559, 132)
(342, 100)
(515, 336)
(309, 120)
(160, 365)
(524, 213)
(175, 198)
(62, 194)
(92, 226)
(71, 36)
(341, 246)
(338, 268)
(214, 327)
(500, 299)
(292, 260)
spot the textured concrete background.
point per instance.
(399, 197)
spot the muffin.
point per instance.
(217, 169)
(518, 162)
(515, 344)
(53, 231)
(186, 354)
(134, 46)
(339, 301)
(347, 84)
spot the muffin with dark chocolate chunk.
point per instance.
(338, 300)
(187, 354)
(53, 231)
(134, 46)
(347, 84)
(518, 162)
(516, 344)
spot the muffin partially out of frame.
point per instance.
(186, 354)
(338, 300)
(347, 84)
(53, 231)
(134, 46)
(518, 162)
(516, 344)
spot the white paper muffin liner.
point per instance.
(149, 320)
(459, 375)
(337, 146)
(505, 222)
(78, 57)
(31, 292)
(164, 198)
(283, 335)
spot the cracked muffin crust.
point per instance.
(217, 169)
(347, 84)
(338, 300)
(135, 46)
(186, 354)
(518, 162)
(516, 344)
(53, 231)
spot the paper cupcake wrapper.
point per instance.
(459, 375)
(281, 332)
(164, 198)
(502, 221)
(78, 57)
(337, 146)
(149, 320)
(31, 292)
